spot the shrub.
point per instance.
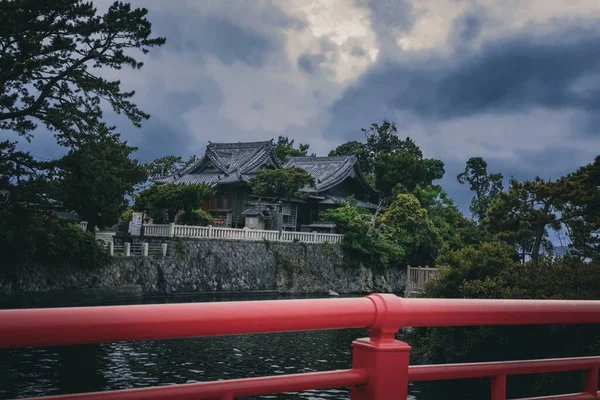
(32, 239)
(197, 217)
(492, 272)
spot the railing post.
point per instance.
(385, 358)
(163, 247)
(111, 248)
(314, 239)
(210, 231)
(172, 229)
(245, 233)
(145, 249)
(499, 387)
(127, 249)
(591, 381)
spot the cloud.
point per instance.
(517, 83)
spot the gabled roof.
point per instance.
(227, 163)
(329, 171)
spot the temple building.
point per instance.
(229, 167)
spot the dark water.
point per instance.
(75, 369)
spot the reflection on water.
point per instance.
(84, 368)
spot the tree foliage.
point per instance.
(51, 56)
(529, 211)
(486, 186)
(395, 165)
(493, 272)
(354, 148)
(413, 230)
(284, 149)
(375, 245)
(94, 178)
(168, 165)
(172, 198)
(34, 240)
(197, 217)
(281, 183)
(456, 231)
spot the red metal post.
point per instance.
(385, 358)
(499, 387)
(591, 381)
(387, 366)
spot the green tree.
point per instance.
(24, 181)
(31, 240)
(52, 55)
(493, 272)
(354, 148)
(284, 149)
(95, 177)
(376, 245)
(523, 216)
(172, 198)
(485, 185)
(281, 183)
(399, 172)
(168, 165)
(414, 231)
(456, 231)
(580, 197)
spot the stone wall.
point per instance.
(212, 265)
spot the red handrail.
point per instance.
(380, 363)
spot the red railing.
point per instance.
(380, 367)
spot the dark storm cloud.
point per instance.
(167, 132)
(197, 35)
(310, 63)
(515, 74)
(390, 14)
(466, 28)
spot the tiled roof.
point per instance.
(329, 171)
(228, 163)
(329, 199)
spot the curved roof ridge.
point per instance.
(264, 148)
(321, 158)
(239, 144)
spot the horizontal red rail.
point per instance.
(380, 363)
(79, 325)
(234, 387)
(419, 373)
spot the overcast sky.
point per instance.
(516, 82)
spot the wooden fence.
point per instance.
(417, 278)
(211, 232)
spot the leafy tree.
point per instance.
(23, 180)
(376, 246)
(485, 185)
(400, 172)
(52, 55)
(354, 148)
(168, 165)
(172, 198)
(94, 178)
(493, 272)
(30, 240)
(456, 231)
(522, 216)
(383, 139)
(415, 233)
(281, 183)
(580, 195)
(284, 149)
(196, 217)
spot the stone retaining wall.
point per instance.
(212, 265)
